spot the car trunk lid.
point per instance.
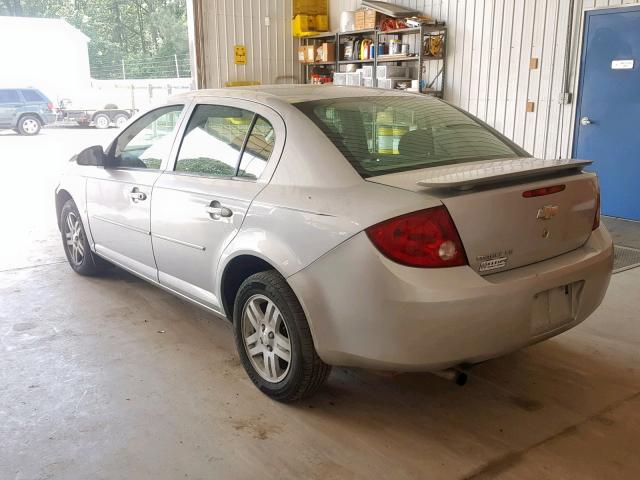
(501, 227)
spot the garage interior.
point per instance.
(113, 378)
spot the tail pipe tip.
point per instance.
(459, 377)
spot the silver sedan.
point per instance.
(342, 226)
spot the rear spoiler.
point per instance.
(468, 175)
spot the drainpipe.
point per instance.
(565, 97)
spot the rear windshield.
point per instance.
(387, 134)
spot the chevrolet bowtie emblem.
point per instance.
(547, 212)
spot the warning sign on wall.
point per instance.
(240, 54)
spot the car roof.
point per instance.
(294, 93)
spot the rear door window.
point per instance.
(257, 150)
(32, 96)
(213, 141)
(9, 96)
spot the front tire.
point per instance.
(29, 125)
(76, 243)
(274, 340)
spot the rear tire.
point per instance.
(76, 244)
(29, 125)
(102, 121)
(274, 341)
(120, 120)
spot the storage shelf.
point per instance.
(342, 62)
(319, 36)
(397, 58)
(376, 35)
(414, 30)
(357, 32)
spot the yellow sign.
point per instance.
(240, 54)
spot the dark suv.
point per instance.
(25, 110)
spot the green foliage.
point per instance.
(206, 166)
(146, 35)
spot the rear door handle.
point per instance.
(136, 195)
(216, 211)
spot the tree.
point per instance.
(144, 34)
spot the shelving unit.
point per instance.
(418, 59)
(422, 32)
(320, 38)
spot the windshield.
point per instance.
(387, 134)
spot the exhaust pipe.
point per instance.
(459, 377)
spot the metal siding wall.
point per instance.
(272, 52)
(490, 44)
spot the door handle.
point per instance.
(136, 195)
(585, 121)
(217, 211)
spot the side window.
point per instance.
(147, 142)
(213, 140)
(258, 149)
(9, 96)
(31, 96)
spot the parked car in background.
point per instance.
(99, 118)
(342, 226)
(25, 110)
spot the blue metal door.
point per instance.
(608, 115)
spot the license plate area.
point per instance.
(555, 307)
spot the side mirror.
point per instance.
(92, 156)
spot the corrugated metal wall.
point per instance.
(489, 47)
(272, 52)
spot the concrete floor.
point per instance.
(111, 378)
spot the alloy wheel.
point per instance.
(74, 235)
(30, 126)
(266, 338)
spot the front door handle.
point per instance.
(136, 195)
(217, 211)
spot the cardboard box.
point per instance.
(371, 18)
(340, 78)
(391, 71)
(302, 54)
(326, 52)
(366, 19)
(310, 53)
(354, 79)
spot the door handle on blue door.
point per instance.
(216, 211)
(585, 121)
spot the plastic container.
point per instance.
(347, 21)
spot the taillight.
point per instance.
(427, 238)
(596, 217)
(50, 106)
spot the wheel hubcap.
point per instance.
(75, 238)
(266, 338)
(30, 125)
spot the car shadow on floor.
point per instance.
(561, 373)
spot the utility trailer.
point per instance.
(103, 118)
(98, 118)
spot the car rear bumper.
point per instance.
(48, 117)
(367, 311)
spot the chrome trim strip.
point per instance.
(128, 227)
(179, 242)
